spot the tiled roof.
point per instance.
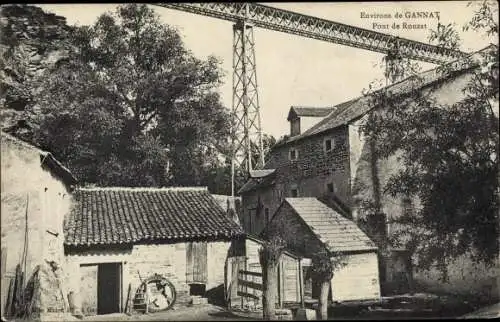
(309, 111)
(351, 110)
(258, 182)
(261, 173)
(337, 232)
(105, 216)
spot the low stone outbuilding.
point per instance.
(309, 226)
(117, 237)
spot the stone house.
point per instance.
(117, 237)
(333, 161)
(35, 190)
(309, 226)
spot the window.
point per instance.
(266, 214)
(294, 154)
(328, 144)
(330, 187)
(294, 192)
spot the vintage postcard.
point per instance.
(249, 161)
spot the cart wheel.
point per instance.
(161, 294)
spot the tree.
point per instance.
(132, 106)
(324, 265)
(269, 257)
(449, 156)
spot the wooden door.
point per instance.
(196, 255)
(290, 277)
(234, 264)
(108, 287)
(88, 289)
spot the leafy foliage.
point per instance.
(449, 154)
(325, 263)
(271, 250)
(132, 106)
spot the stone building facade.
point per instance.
(310, 226)
(36, 196)
(334, 160)
(115, 238)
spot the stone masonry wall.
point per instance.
(29, 191)
(464, 275)
(140, 262)
(168, 260)
(217, 253)
(252, 222)
(314, 167)
(287, 224)
(310, 174)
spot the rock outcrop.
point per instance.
(31, 42)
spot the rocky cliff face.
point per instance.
(31, 42)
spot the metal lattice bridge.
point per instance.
(246, 126)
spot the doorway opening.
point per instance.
(100, 288)
(108, 288)
(197, 289)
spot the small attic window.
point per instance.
(293, 154)
(330, 187)
(294, 192)
(328, 144)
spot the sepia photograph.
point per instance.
(243, 161)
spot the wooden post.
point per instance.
(127, 303)
(301, 284)
(281, 282)
(146, 297)
(10, 298)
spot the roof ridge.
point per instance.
(297, 198)
(20, 142)
(143, 188)
(417, 81)
(330, 227)
(313, 107)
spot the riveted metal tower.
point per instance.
(246, 131)
(246, 135)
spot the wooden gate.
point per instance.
(250, 288)
(234, 264)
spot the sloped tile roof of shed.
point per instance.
(105, 216)
(331, 228)
(267, 179)
(261, 173)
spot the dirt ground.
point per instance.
(204, 312)
(489, 312)
(422, 306)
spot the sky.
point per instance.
(292, 70)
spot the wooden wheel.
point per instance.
(161, 293)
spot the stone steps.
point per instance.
(198, 300)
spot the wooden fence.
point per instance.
(247, 285)
(250, 287)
